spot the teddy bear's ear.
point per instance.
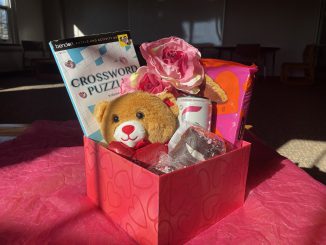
(170, 101)
(100, 109)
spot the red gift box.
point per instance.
(170, 208)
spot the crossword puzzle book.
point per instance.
(91, 68)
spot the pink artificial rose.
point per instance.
(125, 86)
(176, 61)
(143, 80)
(149, 82)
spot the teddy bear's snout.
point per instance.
(128, 129)
(130, 133)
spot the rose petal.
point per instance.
(175, 61)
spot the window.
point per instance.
(4, 21)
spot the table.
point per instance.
(43, 197)
(265, 51)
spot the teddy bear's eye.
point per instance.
(140, 115)
(115, 118)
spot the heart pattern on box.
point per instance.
(90, 156)
(105, 162)
(186, 223)
(210, 205)
(137, 212)
(114, 199)
(130, 230)
(180, 185)
(151, 212)
(176, 206)
(122, 183)
(140, 178)
(201, 185)
(167, 230)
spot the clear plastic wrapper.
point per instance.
(194, 145)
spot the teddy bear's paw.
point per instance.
(214, 92)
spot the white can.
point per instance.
(197, 111)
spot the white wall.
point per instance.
(201, 22)
(97, 16)
(30, 20)
(53, 20)
(196, 21)
(288, 24)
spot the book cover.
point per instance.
(92, 68)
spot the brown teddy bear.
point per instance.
(136, 117)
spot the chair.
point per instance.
(207, 50)
(247, 54)
(36, 59)
(308, 66)
(32, 50)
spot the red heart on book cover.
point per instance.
(70, 64)
(83, 95)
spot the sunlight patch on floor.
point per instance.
(33, 87)
(307, 153)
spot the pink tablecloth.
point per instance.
(42, 197)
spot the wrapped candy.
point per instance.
(195, 144)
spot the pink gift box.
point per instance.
(167, 209)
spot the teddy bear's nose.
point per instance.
(128, 129)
